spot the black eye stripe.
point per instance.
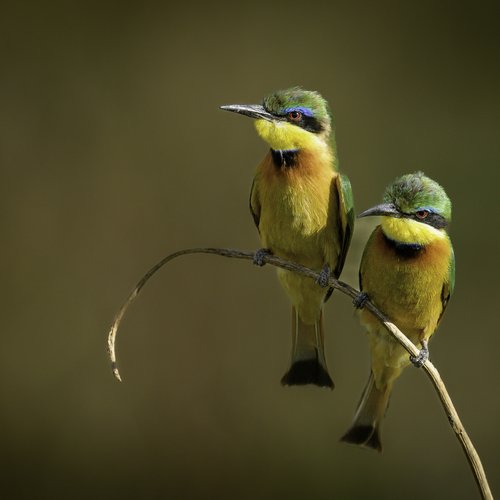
(308, 123)
(433, 219)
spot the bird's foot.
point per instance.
(422, 357)
(360, 301)
(260, 255)
(324, 277)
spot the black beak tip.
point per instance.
(365, 213)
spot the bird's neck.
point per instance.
(410, 232)
(406, 250)
(290, 144)
(285, 158)
(302, 160)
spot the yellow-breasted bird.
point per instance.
(304, 212)
(408, 272)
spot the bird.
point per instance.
(303, 209)
(408, 272)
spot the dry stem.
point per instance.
(429, 368)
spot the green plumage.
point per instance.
(415, 191)
(303, 209)
(280, 101)
(408, 272)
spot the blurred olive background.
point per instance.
(114, 153)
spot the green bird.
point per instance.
(408, 272)
(303, 210)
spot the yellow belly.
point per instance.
(299, 222)
(298, 214)
(408, 291)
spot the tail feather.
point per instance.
(364, 435)
(365, 430)
(308, 364)
(308, 371)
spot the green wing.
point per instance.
(254, 204)
(363, 258)
(346, 219)
(449, 286)
(452, 272)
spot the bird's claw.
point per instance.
(323, 280)
(360, 301)
(422, 357)
(260, 255)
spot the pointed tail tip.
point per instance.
(116, 372)
(308, 371)
(367, 436)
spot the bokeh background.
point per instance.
(113, 153)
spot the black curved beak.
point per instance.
(387, 209)
(252, 110)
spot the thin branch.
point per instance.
(430, 369)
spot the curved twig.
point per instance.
(430, 369)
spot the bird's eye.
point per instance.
(295, 116)
(422, 214)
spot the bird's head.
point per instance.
(416, 210)
(290, 119)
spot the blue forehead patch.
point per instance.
(305, 111)
(432, 210)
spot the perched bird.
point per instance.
(408, 272)
(303, 210)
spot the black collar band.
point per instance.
(404, 249)
(284, 157)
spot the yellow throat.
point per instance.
(284, 135)
(411, 231)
